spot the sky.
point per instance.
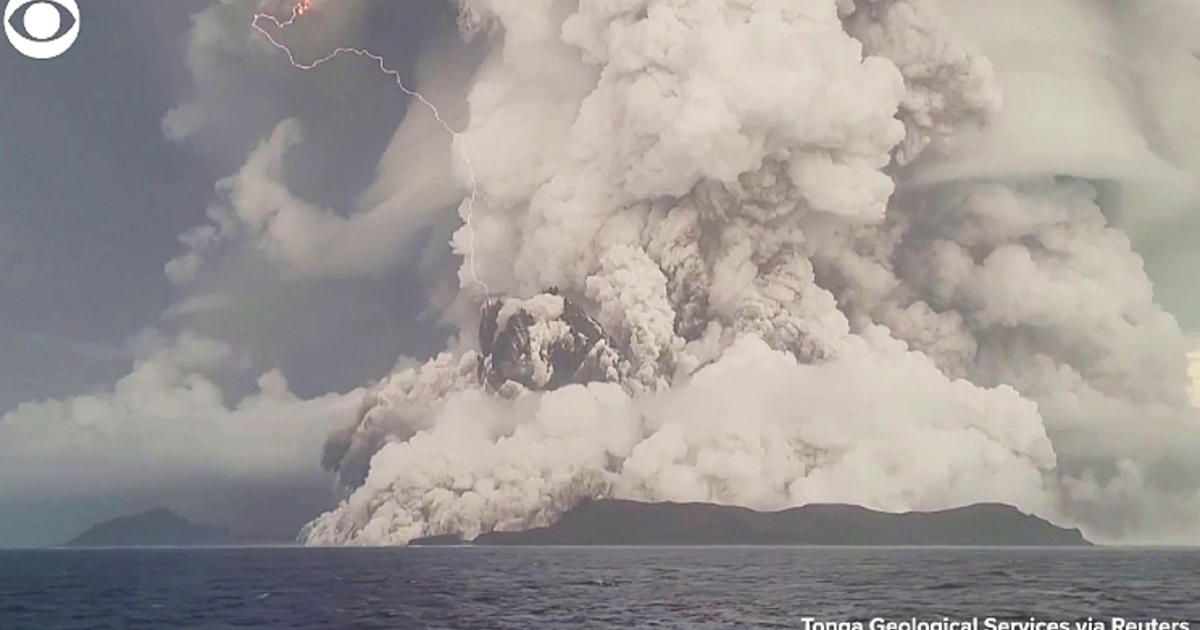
(111, 156)
(93, 199)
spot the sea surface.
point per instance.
(586, 587)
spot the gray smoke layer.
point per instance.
(704, 283)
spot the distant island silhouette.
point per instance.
(161, 527)
(617, 522)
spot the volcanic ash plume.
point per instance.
(703, 285)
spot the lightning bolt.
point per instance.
(304, 7)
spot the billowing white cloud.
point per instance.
(416, 176)
(300, 236)
(164, 426)
(1194, 372)
(876, 426)
(183, 121)
(729, 228)
(846, 250)
(1091, 92)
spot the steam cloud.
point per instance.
(164, 425)
(840, 250)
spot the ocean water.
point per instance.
(580, 587)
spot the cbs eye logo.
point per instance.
(41, 29)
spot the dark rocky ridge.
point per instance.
(162, 528)
(615, 522)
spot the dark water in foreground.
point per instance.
(724, 587)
